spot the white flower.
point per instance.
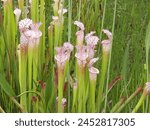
(17, 12)
(30, 1)
(55, 18)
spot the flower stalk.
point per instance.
(93, 77)
(60, 89)
(1, 110)
(106, 44)
(22, 55)
(62, 58)
(21, 4)
(35, 10)
(143, 97)
(138, 90)
(41, 52)
(118, 104)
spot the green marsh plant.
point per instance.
(53, 57)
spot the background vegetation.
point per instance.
(128, 63)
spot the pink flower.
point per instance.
(34, 34)
(92, 70)
(25, 24)
(92, 61)
(75, 85)
(80, 33)
(24, 39)
(91, 44)
(108, 33)
(80, 37)
(64, 102)
(61, 57)
(91, 40)
(80, 25)
(63, 54)
(147, 88)
(81, 55)
(107, 43)
(93, 73)
(69, 47)
(90, 51)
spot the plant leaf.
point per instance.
(6, 87)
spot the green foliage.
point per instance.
(128, 20)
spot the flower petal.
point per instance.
(68, 46)
(92, 61)
(79, 24)
(108, 33)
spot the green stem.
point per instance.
(35, 65)
(42, 39)
(140, 102)
(22, 79)
(74, 99)
(17, 104)
(102, 79)
(21, 4)
(60, 89)
(92, 95)
(30, 83)
(121, 101)
(81, 90)
(1, 110)
(102, 25)
(129, 99)
(109, 62)
(35, 10)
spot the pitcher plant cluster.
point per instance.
(48, 74)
